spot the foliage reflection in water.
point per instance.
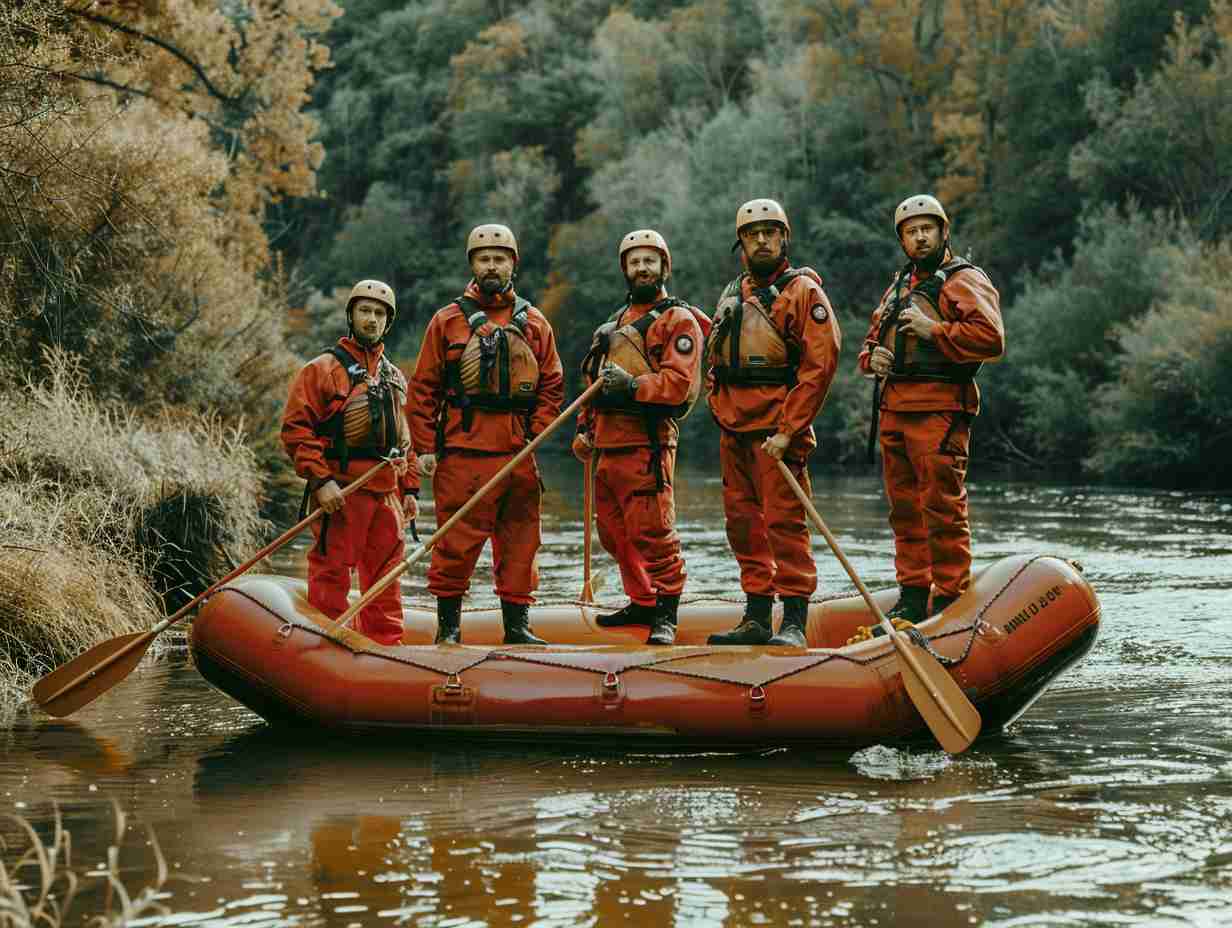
(1109, 802)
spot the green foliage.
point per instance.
(1168, 142)
(1065, 315)
(1166, 419)
(576, 122)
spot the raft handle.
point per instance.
(453, 684)
(611, 693)
(283, 634)
(757, 698)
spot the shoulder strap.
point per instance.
(477, 316)
(732, 288)
(353, 368)
(946, 271)
(521, 313)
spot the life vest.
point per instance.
(745, 347)
(625, 345)
(497, 369)
(919, 359)
(370, 423)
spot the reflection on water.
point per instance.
(1110, 802)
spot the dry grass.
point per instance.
(107, 520)
(48, 903)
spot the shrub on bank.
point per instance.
(108, 520)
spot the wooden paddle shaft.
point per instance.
(588, 516)
(396, 571)
(143, 640)
(904, 650)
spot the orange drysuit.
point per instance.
(366, 534)
(766, 525)
(634, 503)
(925, 432)
(473, 444)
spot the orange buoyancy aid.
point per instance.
(625, 345)
(917, 359)
(370, 423)
(746, 347)
(497, 369)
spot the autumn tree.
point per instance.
(141, 147)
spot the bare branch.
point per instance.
(165, 46)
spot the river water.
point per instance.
(1108, 803)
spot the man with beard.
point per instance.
(648, 355)
(938, 321)
(772, 355)
(487, 381)
(346, 410)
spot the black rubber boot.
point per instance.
(754, 628)
(795, 621)
(940, 603)
(632, 614)
(912, 605)
(449, 620)
(517, 624)
(664, 629)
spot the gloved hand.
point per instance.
(776, 445)
(582, 447)
(880, 360)
(329, 496)
(399, 464)
(617, 381)
(427, 465)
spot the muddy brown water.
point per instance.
(1108, 803)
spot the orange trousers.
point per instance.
(364, 535)
(637, 522)
(924, 463)
(508, 514)
(766, 525)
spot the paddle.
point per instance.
(415, 556)
(588, 514)
(87, 676)
(936, 695)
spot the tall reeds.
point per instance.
(107, 519)
(48, 898)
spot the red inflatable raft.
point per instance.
(1023, 621)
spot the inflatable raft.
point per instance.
(1023, 621)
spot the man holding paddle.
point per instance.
(936, 324)
(648, 355)
(772, 355)
(346, 412)
(488, 381)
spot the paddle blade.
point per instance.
(87, 676)
(947, 711)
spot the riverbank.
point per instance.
(107, 520)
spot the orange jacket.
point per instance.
(674, 347)
(491, 430)
(803, 315)
(319, 391)
(973, 332)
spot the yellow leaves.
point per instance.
(478, 68)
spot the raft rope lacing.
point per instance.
(358, 643)
(974, 628)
